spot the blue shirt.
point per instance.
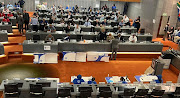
(78, 81)
(178, 34)
(92, 82)
(113, 7)
(9, 5)
(34, 21)
(87, 23)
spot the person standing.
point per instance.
(20, 21)
(21, 3)
(26, 19)
(34, 23)
(137, 23)
(115, 48)
(166, 29)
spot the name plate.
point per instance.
(47, 47)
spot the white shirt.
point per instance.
(43, 7)
(125, 19)
(131, 39)
(77, 29)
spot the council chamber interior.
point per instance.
(89, 48)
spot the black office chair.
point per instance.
(85, 93)
(157, 93)
(141, 93)
(64, 92)
(11, 90)
(105, 94)
(177, 92)
(36, 91)
(129, 92)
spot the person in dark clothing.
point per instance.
(26, 19)
(102, 34)
(170, 33)
(68, 29)
(21, 3)
(20, 21)
(137, 23)
(96, 23)
(51, 20)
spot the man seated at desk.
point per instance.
(49, 38)
(6, 19)
(110, 37)
(104, 22)
(51, 28)
(87, 23)
(133, 38)
(68, 28)
(77, 29)
(78, 80)
(43, 24)
(121, 23)
(102, 34)
(119, 30)
(92, 81)
(10, 14)
(120, 38)
(96, 23)
(9, 5)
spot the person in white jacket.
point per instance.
(133, 38)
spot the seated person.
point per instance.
(6, 10)
(10, 14)
(51, 28)
(6, 19)
(133, 38)
(43, 24)
(78, 80)
(119, 30)
(92, 81)
(9, 6)
(67, 38)
(126, 20)
(2, 14)
(68, 29)
(120, 38)
(102, 18)
(87, 23)
(77, 29)
(49, 38)
(110, 37)
(96, 23)
(102, 34)
(122, 80)
(69, 15)
(62, 23)
(177, 37)
(104, 22)
(51, 21)
(121, 23)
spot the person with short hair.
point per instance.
(51, 28)
(26, 19)
(21, 3)
(77, 29)
(115, 48)
(102, 34)
(20, 21)
(78, 80)
(133, 38)
(49, 38)
(9, 5)
(87, 23)
(34, 23)
(92, 81)
(166, 29)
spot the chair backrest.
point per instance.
(177, 91)
(11, 88)
(64, 92)
(36, 88)
(157, 92)
(85, 93)
(142, 92)
(129, 91)
(106, 94)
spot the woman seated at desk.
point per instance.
(122, 80)
(49, 38)
(110, 37)
(102, 34)
(92, 81)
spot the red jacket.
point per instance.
(5, 20)
(2, 14)
(10, 15)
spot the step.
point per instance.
(8, 44)
(15, 54)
